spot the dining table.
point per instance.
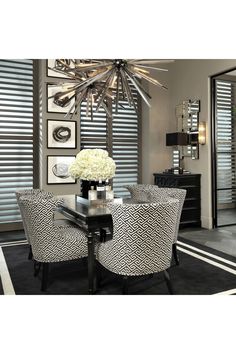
(94, 217)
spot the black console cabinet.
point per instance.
(191, 214)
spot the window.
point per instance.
(16, 136)
(224, 142)
(119, 136)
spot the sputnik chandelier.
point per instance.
(97, 81)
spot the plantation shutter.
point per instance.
(16, 136)
(119, 136)
(93, 131)
(125, 146)
(224, 142)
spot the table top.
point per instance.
(82, 212)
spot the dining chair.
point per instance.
(176, 193)
(25, 192)
(51, 242)
(142, 240)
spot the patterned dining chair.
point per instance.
(156, 194)
(142, 240)
(51, 242)
(25, 192)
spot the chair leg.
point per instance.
(30, 255)
(37, 266)
(168, 282)
(98, 274)
(45, 277)
(125, 285)
(175, 253)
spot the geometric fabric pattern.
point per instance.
(51, 242)
(143, 235)
(139, 191)
(35, 192)
(158, 194)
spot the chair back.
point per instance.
(29, 192)
(155, 195)
(142, 238)
(43, 233)
(139, 191)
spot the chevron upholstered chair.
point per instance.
(142, 240)
(156, 194)
(51, 242)
(25, 192)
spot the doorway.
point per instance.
(224, 148)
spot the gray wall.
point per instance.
(186, 79)
(58, 189)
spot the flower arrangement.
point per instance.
(93, 165)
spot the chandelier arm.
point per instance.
(117, 91)
(129, 90)
(149, 67)
(106, 87)
(150, 61)
(78, 102)
(90, 81)
(62, 72)
(88, 102)
(70, 110)
(153, 81)
(92, 67)
(138, 88)
(108, 112)
(132, 73)
(126, 86)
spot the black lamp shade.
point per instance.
(176, 139)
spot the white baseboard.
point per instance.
(206, 222)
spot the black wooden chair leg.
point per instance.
(125, 285)
(30, 255)
(98, 275)
(45, 277)
(37, 266)
(175, 253)
(168, 282)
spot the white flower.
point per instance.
(93, 165)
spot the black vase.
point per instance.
(86, 186)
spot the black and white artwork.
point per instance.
(58, 169)
(54, 108)
(52, 73)
(61, 134)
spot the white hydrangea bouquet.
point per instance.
(93, 165)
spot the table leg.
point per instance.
(90, 263)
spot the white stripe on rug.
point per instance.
(227, 269)
(13, 243)
(224, 260)
(227, 292)
(7, 285)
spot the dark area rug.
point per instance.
(191, 277)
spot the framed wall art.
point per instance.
(58, 169)
(51, 73)
(61, 134)
(52, 89)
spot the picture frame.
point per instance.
(61, 134)
(50, 63)
(51, 106)
(57, 169)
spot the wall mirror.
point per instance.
(187, 114)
